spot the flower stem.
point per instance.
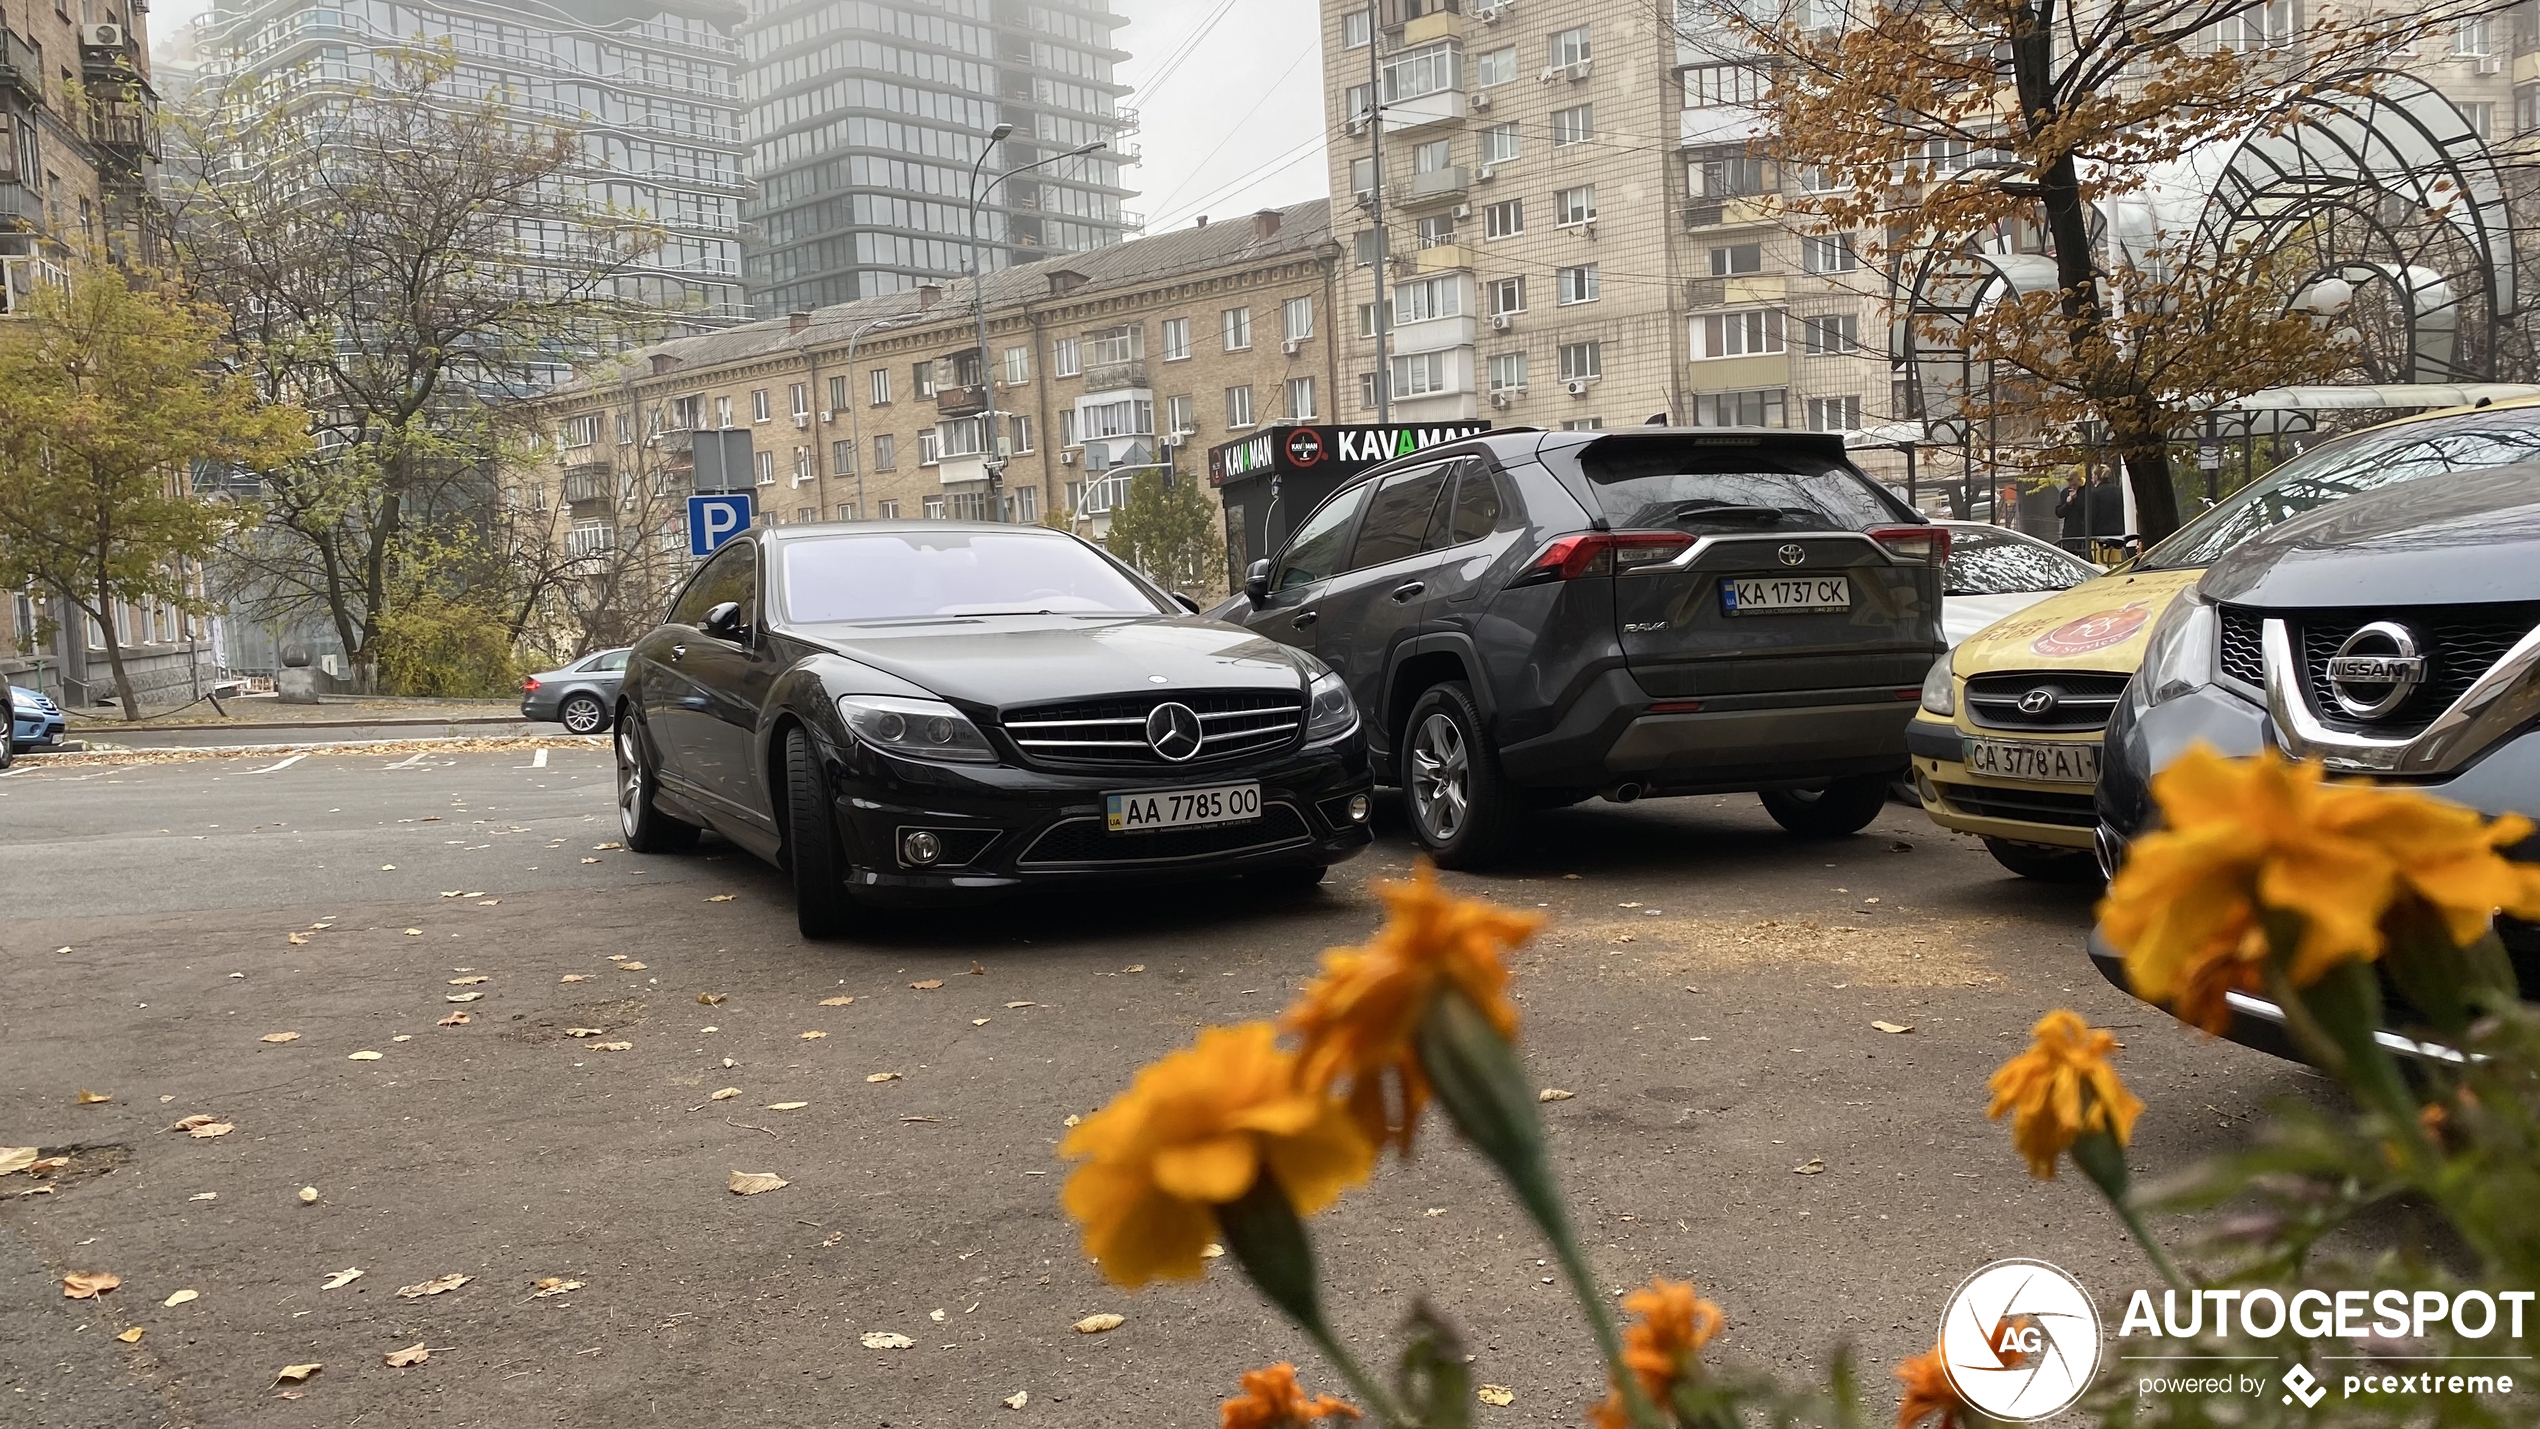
(2152, 1250)
(1378, 1403)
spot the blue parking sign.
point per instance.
(713, 520)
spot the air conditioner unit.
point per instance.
(1066, 458)
(802, 421)
(1578, 387)
(101, 37)
(1491, 14)
(1484, 174)
(2487, 64)
(1480, 98)
(827, 417)
(1292, 345)
(1500, 322)
(1499, 399)
(1357, 125)
(1463, 210)
(1580, 70)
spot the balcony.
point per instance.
(586, 481)
(21, 66)
(20, 205)
(1115, 376)
(954, 400)
(1435, 186)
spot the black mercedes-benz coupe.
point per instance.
(918, 712)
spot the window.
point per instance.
(758, 406)
(1239, 406)
(1710, 86)
(1413, 74)
(581, 431)
(921, 379)
(1300, 399)
(625, 429)
(1575, 125)
(1736, 258)
(1436, 230)
(1018, 366)
(1113, 346)
(1570, 47)
(930, 447)
(1179, 418)
(1582, 361)
(1584, 424)
(801, 399)
(1399, 517)
(1314, 552)
(1419, 301)
(765, 467)
(1732, 173)
(1740, 409)
(802, 465)
(1507, 295)
(1128, 417)
(683, 414)
(1576, 205)
(1748, 334)
(1296, 319)
(1497, 66)
(1235, 324)
(1024, 504)
(1508, 372)
(2481, 115)
(1830, 253)
(966, 437)
(880, 384)
(1833, 334)
(2469, 37)
(1436, 156)
(838, 394)
(885, 453)
(1358, 100)
(1834, 414)
(842, 459)
(1368, 384)
(1505, 219)
(1177, 339)
(1357, 30)
(1067, 427)
(1500, 143)
(1018, 434)
(1066, 359)
(846, 511)
(933, 507)
(887, 510)
(1817, 181)
(805, 515)
(1578, 285)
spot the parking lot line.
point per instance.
(284, 764)
(410, 761)
(539, 759)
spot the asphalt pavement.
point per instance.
(1706, 990)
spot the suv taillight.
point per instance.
(1601, 553)
(1926, 544)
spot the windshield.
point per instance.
(1711, 489)
(1999, 563)
(898, 575)
(2367, 461)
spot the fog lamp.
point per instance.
(920, 848)
(1358, 807)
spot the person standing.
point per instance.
(2107, 508)
(2073, 510)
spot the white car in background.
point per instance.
(1995, 572)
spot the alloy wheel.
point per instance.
(630, 779)
(1440, 778)
(582, 716)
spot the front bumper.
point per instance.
(2259, 1024)
(1732, 742)
(2026, 811)
(1003, 828)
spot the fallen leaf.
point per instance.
(787, 1106)
(296, 939)
(1554, 1094)
(1072, 1120)
(711, 999)
(1211, 1251)
(929, 985)
(204, 1196)
(1627, 938)
(455, 1019)
(1096, 1324)
(210, 1129)
(451, 893)
(976, 970)
(885, 1340)
(615, 1046)
(751, 1183)
(586, 1032)
(190, 1122)
(1891, 1027)
(16, 1158)
(575, 977)
(388, 868)
(308, 1195)
(280, 1037)
(630, 967)
(1627, 905)
(488, 902)
(414, 932)
(462, 996)
(811, 1036)
(1135, 968)
(435, 1286)
(469, 981)
(725, 1095)
(288, 1393)
(836, 1001)
(978, 1022)
(1017, 1399)
(553, 1285)
(721, 897)
(89, 1098)
(1013, 1005)
(361, 1056)
(607, 846)
(295, 1373)
(411, 1355)
(89, 1284)
(883, 1077)
(590, 860)
(341, 1278)
(48, 1165)
(1810, 1167)
(1498, 1396)
(131, 1336)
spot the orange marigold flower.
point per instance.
(1272, 1400)
(2246, 836)
(2060, 1089)
(1193, 1132)
(1360, 1019)
(1929, 1391)
(1662, 1345)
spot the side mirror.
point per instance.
(1257, 583)
(1188, 603)
(724, 622)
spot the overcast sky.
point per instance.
(1229, 93)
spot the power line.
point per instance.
(1238, 127)
(1182, 50)
(1283, 162)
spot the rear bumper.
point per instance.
(541, 705)
(1732, 742)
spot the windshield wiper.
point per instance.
(1724, 511)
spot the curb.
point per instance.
(310, 746)
(417, 723)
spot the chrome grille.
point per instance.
(1111, 733)
(2244, 646)
(2043, 699)
(2460, 642)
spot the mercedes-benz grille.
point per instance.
(1115, 732)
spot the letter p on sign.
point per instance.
(713, 520)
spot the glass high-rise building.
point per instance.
(653, 86)
(866, 115)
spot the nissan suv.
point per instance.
(1530, 618)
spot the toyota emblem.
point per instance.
(2040, 701)
(1793, 554)
(1173, 732)
(2376, 670)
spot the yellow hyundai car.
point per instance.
(2006, 745)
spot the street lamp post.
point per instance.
(992, 455)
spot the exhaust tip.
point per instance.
(1623, 793)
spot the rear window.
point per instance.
(1710, 490)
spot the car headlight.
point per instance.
(2180, 655)
(1328, 711)
(1940, 691)
(920, 729)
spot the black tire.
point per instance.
(823, 908)
(646, 828)
(582, 713)
(8, 741)
(2077, 866)
(1462, 809)
(1842, 807)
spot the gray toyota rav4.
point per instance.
(1530, 618)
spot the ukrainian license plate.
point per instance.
(1181, 808)
(2051, 763)
(1774, 595)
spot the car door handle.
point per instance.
(1408, 589)
(1304, 618)
(676, 651)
